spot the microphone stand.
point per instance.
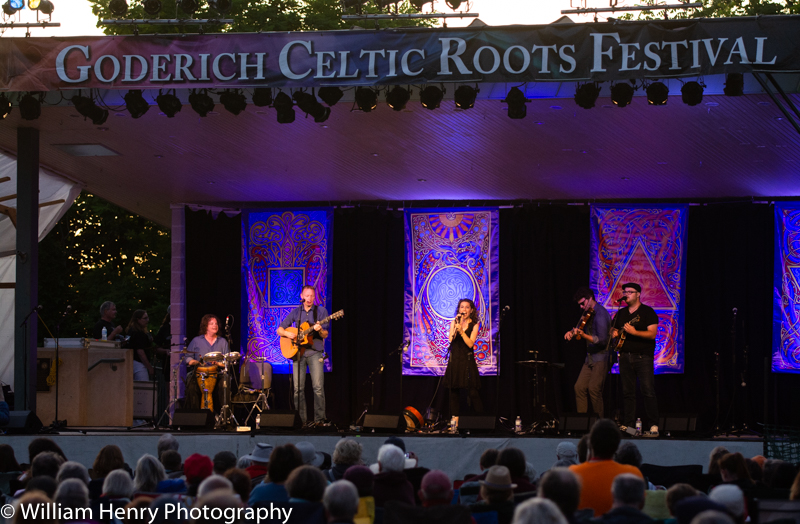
(226, 414)
(58, 424)
(497, 345)
(24, 326)
(619, 373)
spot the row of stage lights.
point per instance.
(44, 6)
(119, 8)
(366, 99)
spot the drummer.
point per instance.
(208, 342)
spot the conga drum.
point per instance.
(206, 380)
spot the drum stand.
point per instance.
(226, 417)
(261, 402)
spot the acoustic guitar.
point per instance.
(295, 348)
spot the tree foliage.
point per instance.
(721, 8)
(99, 252)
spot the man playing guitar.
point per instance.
(636, 356)
(594, 336)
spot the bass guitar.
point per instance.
(295, 348)
(617, 343)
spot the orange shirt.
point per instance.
(596, 478)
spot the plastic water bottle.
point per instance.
(638, 426)
(518, 425)
(453, 425)
(258, 421)
(105, 333)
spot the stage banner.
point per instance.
(786, 299)
(451, 254)
(282, 251)
(647, 245)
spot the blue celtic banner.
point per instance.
(786, 299)
(282, 251)
(451, 254)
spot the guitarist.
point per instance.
(636, 357)
(594, 336)
(311, 356)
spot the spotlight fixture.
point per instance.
(118, 8)
(188, 6)
(657, 94)
(233, 101)
(397, 98)
(262, 96)
(692, 93)
(136, 104)
(586, 95)
(169, 104)
(220, 6)
(453, 4)
(431, 97)
(152, 7)
(45, 6)
(621, 94)
(5, 106)
(516, 101)
(734, 84)
(309, 104)
(283, 105)
(88, 109)
(465, 97)
(366, 99)
(330, 95)
(201, 102)
(29, 107)
(12, 6)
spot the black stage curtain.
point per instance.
(544, 257)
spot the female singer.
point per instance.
(207, 341)
(462, 370)
(140, 340)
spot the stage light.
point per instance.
(586, 95)
(283, 105)
(29, 107)
(188, 6)
(262, 96)
(169, 104)
(516, 101)
(397, 98)
(431, 97)
(692, 93)
(657, 94)
(136, 104)
(118, 8)
(88, 109)
(12, 6)
(734, 84)
(152, 7)
(330, 95)
(201, 102)
(453, 4)
(465, 97)
(220, 6)
(233, 101)
(621, 94)
(366, 99)
(309, 104)
(45, 6)
(5, 106)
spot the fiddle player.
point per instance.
(207, 341)
(594, 335)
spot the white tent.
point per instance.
(56, 195)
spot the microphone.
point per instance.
(69, 308)
(227, 322)
(507, 308)
(735, 310)
(620, 300)
(39, 307)
(381, 371)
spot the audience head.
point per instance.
(244, 462)
(712, 517)
(240, 479)
(628, 490)
(118, 485)
(167, 442)
(221, 499)
(514, 460)
(73, 470)
(770, 465)
(604, 439)
(397, 441)
(347, 452)
(149, 472)
(783, 476)
(628, 453)
(362, 478)
(306, 483)
(32, 499)
(390, 458)
(167, 504)
(42, 444)
(311, 457)
(567, 451)
(108, 459)
(8, 461)
(497, 487)
(223, 461)
(732, 467)
(261, 453)
(213, 483)
(488, 458)
(538, 511)
(713, 459)
(341, 501)
(678, 492)
(794, 493)
(46, 463)
(563, 487)
(171, 460)
(72, 493)
(583, 449)
(687, 509)
(139, 504)
(46, 485)
(283, 460)
(754, 468)
(732, 497)
(436, 486)
(197, 468)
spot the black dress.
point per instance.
(462, 370)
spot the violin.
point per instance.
(586, 317)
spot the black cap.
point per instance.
(633, 285)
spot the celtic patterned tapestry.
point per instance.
(786, 300)
(646, 245)
(282, 251)
(450, 255)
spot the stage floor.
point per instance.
(458, 455)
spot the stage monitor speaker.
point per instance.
(576, 422)
(476, 423)
(22, 423)
(677, 423)
(193, 419)
(384, 423)
(281, 419)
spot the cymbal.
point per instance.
(185, 352)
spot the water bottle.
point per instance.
(518, 425)
(105, 333)
(638, 426)
(453, 424)
(258, 421)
